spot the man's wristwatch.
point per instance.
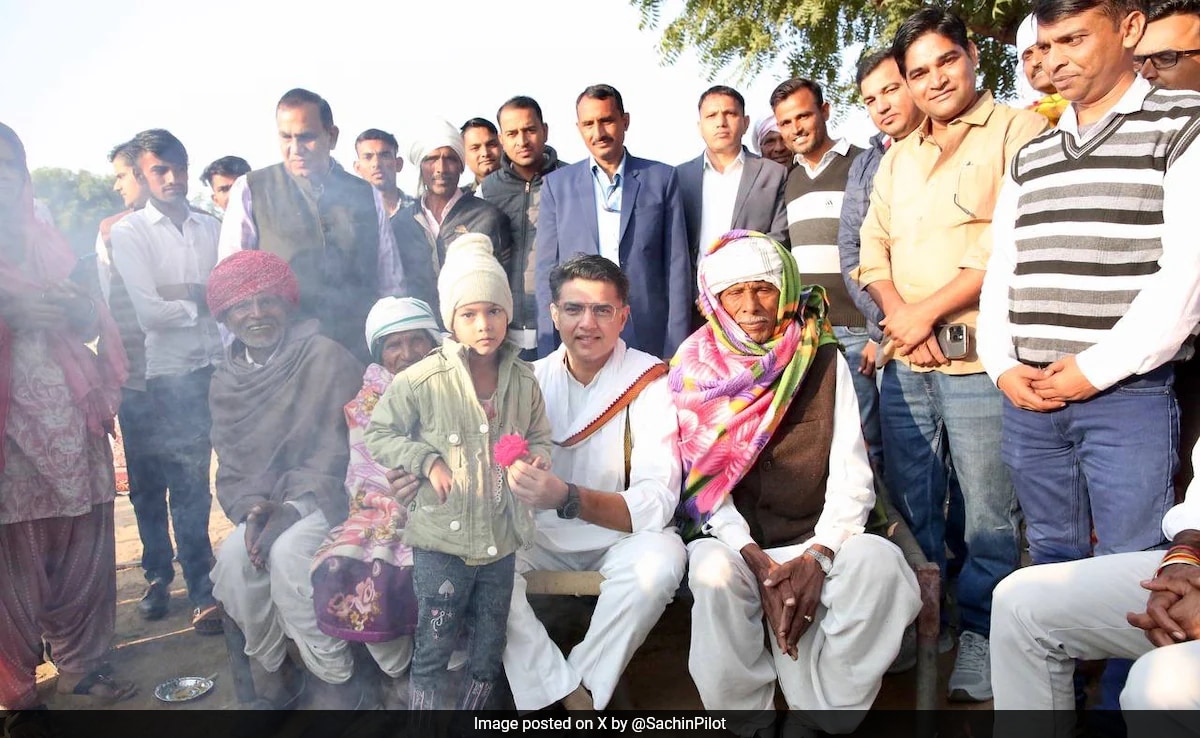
(822, 560)
(569, 510)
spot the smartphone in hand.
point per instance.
(954, 340)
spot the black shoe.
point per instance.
(154, 603)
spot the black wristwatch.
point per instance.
(569, 510)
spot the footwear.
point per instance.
(207, 620)
(971, 680)
(154, 603)
(98, 690)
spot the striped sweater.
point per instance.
(1089, 224)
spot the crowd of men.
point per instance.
(1014, 294)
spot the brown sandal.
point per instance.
(208, 620)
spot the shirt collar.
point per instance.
(739, 161)
(1130, 102)
(156, 216)
(840, 147)
(458, 195)
(620, 167)
(976, 115)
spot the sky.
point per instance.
(83, 75)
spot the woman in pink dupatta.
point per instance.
(57, 401)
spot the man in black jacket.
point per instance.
(443, 212)
(516, 188)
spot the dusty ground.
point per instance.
(152, 652)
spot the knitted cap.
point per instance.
(397, 315)
(472, 274)
(248, 273)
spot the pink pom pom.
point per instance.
(510, 448)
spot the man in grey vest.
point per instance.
(1092, 288)
(330, 226)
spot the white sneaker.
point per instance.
(971, 680)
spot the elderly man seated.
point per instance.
(280, 437)
(609, 502)
(777, 490)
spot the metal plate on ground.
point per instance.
(183, 689)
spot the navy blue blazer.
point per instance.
(653, 250)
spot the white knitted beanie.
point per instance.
(471, 274)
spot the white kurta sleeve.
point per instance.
(655, 470)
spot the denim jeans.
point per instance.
(931, 421)
(451, 593)
(854, 341)
(176, 416)
(1106, 464)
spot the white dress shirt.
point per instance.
(1165, 311)
(608, 219)
(840, 148)
(238, 232)
(718, 194)
(150, 252)
(849, 488)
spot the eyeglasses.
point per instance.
(601, 311)
(1163, 59)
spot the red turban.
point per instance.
(248, 273)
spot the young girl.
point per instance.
(440, 419)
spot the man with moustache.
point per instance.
(891, 109)
(164, 254)
(481, 149)
(442, 212)
(377, 160)
(516, 188)
(330, 226)
(629, 211)
(925, 245)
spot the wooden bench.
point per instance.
(587, 584)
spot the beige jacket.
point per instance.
(430, 411)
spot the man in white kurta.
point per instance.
(600, 508)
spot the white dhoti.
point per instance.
(277, 603)
(869, 597)
(642, 572)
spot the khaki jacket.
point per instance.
(430, 411)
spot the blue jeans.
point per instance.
(931, 420)
(854, 341)
(175, 425)
(451, 593)
(1106, 464)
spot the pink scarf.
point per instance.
(93, 380)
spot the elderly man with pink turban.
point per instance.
(280, 435)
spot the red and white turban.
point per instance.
(248, 273)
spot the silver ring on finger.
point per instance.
(808, 618)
